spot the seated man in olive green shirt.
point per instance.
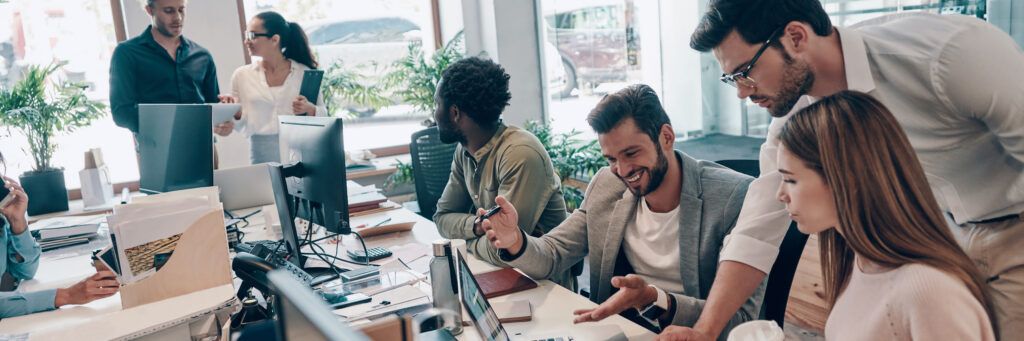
(491, 159)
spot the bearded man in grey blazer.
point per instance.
(652, 222)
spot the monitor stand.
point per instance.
(286, 212)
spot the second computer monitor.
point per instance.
(175, 147)
(316, 144)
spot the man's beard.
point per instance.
(449, 134)
(797, 80)
(165, 30)
(657, 175)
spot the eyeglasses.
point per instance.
(250, 35)
(743, 77)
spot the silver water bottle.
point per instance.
(444, 284)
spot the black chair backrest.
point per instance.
(748, 167)
(431, 166)
(780, 280)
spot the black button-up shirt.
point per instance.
(141, 71)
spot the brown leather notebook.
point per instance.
(503, 282)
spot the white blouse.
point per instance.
(261, 103)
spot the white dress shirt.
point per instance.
(261, 103)
(955, 84)
(651, 244)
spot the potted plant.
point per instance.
(401, 181)
(574, 160)
(415, 77)
(41, 108)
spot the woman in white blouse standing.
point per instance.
(269, 87)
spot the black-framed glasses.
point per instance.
(250, 35)
(743, 77)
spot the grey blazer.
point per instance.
(709, 203)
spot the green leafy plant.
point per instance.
(403, 175)
(348, 84)
(41, 108)
(574, 159)
(415, 77)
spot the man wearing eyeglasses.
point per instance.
(160, 66)
(953, 82)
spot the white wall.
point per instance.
(512, 40)
(214, 25)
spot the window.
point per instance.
(364, 37)
(595, 47)
(80, 33)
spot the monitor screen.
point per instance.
(484, 318)
(316, 143)
(175, 144)
(302, 315)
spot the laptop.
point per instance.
(491, 329)
(244, 187)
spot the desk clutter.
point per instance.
(55, 233)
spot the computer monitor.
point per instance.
(175, 147)
(302, 315)
(314, 158)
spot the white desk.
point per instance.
(553, 304)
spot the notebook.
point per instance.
(503, 282)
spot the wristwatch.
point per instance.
(657, 308)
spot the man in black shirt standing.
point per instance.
(160, 66)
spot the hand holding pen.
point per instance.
(477, 227)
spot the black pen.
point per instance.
(494, 210)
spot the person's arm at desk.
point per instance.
(16, 304)
(21, 250)
(100, 285)
(452, 219)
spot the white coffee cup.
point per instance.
(759, 330)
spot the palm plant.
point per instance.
(415, 77)
(41, 109)
(349, 84)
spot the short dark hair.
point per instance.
(755, 20)
(637, 101)
(479, 87)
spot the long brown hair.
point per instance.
(886, 209)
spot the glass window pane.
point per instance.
(591, 48)
(361, 40)
(80, 33)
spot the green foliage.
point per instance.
(414, 78)
(403, 175)
(571, 156)
(343, 83)
(41, 109)
(411, 80)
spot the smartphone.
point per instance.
(345, 299)
(6, 194)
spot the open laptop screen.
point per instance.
(484, 318)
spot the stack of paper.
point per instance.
(363, 198)
(145, 233)
(58, 232)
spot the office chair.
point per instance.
(431, 167)
(780, 280)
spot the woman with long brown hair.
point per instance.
(891, 268)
